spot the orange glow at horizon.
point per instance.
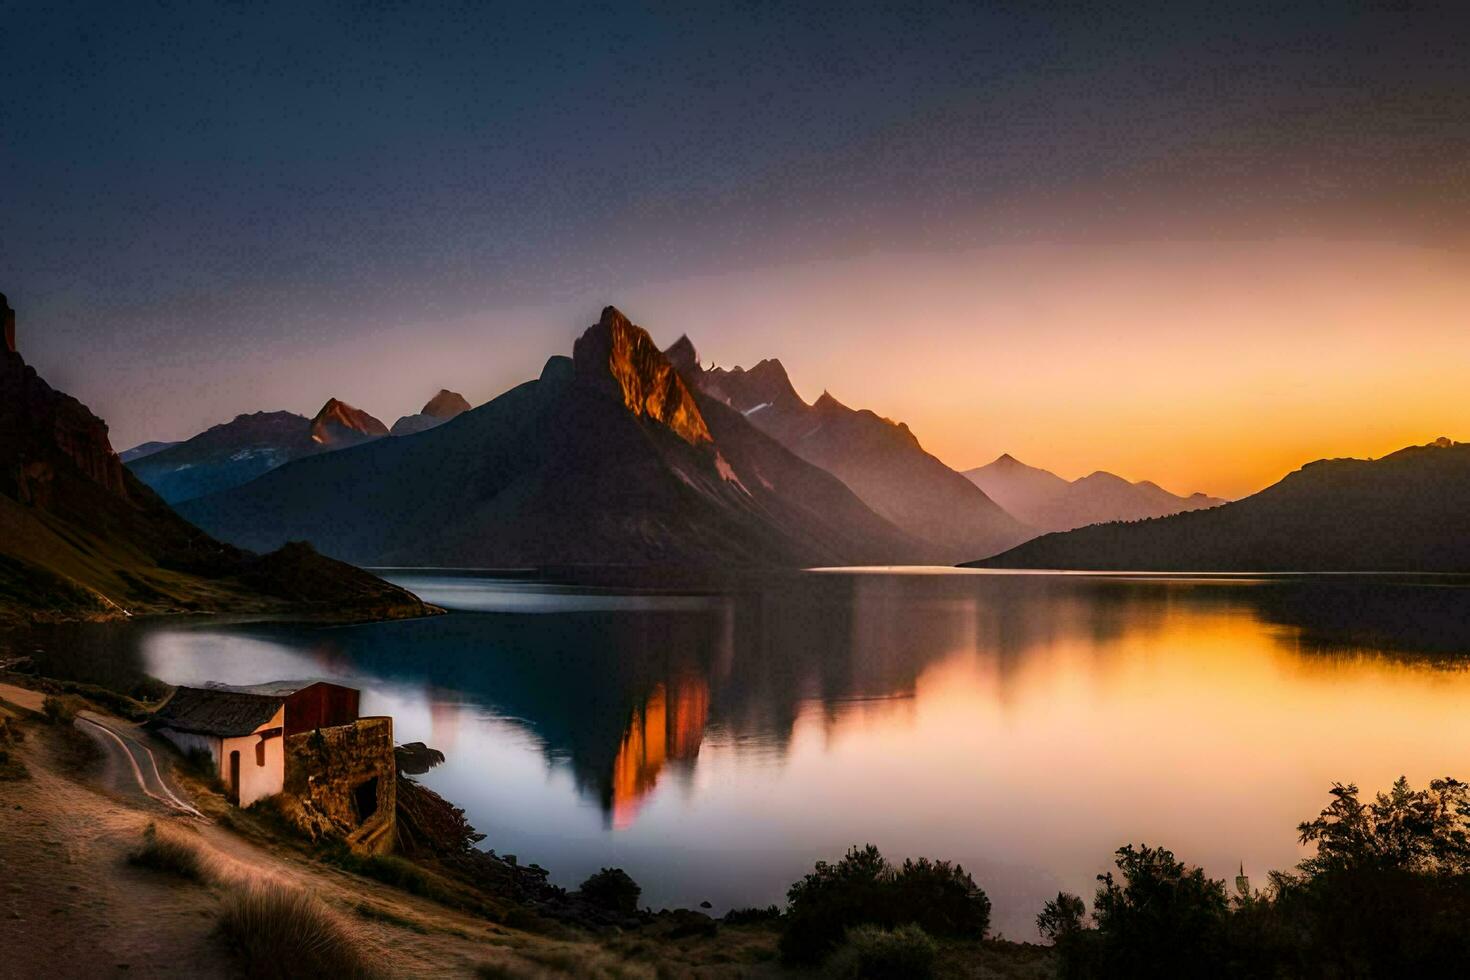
(1217, 367)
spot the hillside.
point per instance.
(1409, 511)
(606, 458)
(81, 537)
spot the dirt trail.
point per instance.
(71, 905)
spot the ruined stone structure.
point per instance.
(342, 782)
(332, 773)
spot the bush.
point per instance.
(281, 933)
(941, 898)
(870, 953)
(60, 710)
(1163, 920)
(864, 889)
(169, 852)
(1387, 893)
(612, 889)
(752, 916)
(1061, 917)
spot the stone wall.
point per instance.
(341, 783)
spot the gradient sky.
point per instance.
(1189, 243)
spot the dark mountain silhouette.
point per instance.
(238, 451)
(606, 458)
(144, 449)
(1409, 511)
(438, 410)
(82, 538)
(879, 459)
(1046, 501)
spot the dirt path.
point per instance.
(133, 765)
(72, 906)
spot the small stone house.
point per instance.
(334, 771)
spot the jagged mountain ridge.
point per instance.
(1046, 501)
(606, 458)
(82, 537)
(879, 459)
(1408, 511)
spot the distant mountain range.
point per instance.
(438, 410)
(879, 459)
(238, 451)
(144, 449)
(608, 457)
(1044, 500)
(82, 538)
(1409, 511)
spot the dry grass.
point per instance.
(168, 850)
(559, 962)
(281, 932)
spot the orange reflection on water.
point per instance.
(665, 728)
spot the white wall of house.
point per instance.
(189, 742)
(262, 773)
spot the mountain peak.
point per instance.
(828, 403)
(619, 358)
(445, 405)
(338, 421)
(682, 355)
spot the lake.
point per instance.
(715, 738)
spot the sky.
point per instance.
(1196, 243)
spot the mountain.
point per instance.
(227, 455)
(606, 458)
(338, 424)
(879, 459)
(439, 409)
(144, 449)
(1409, 511)
(238, 451)
(82, 538)
(1045, 500)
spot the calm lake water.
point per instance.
(716, 740)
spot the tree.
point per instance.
(1062, 917)
(1422, 831)
(1162, 920)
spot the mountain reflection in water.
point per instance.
(717, 738)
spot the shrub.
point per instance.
(281, 933)
(1387, 893)
(1061, 917)
(871, 953)
(60, 710)
(864, 889)
(1163, 920)
(752, 916)
(169, 852)
(941, 898)
(612, 889)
